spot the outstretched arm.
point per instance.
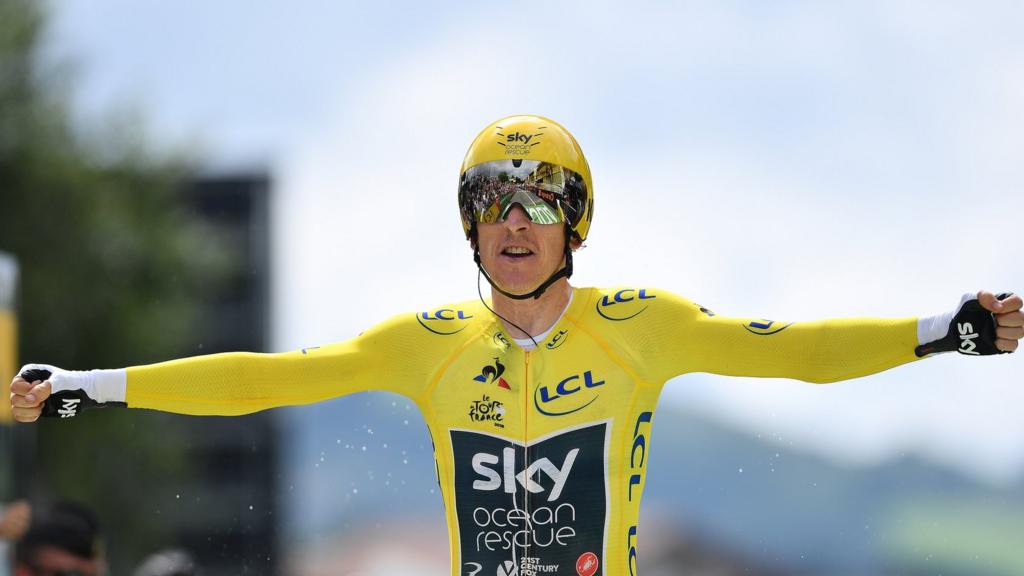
(831, 350)
(223, 384)
(820, 351)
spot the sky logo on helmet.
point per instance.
(524, 138)
(624, 304)
(444, 321)
(518, 143)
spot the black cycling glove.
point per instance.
(972, 331)
(62, 403)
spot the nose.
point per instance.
(516, 218)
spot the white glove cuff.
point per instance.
(932, 328)
(100, 385)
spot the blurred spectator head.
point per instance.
(61, 541)
(14, 520)
(168, 563)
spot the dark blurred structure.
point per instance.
(227, 514)
(126, 258)
(236, 208)
(206, 484)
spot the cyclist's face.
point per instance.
(502, 254)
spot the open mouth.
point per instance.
(516, 252)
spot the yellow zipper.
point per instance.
(526, 439)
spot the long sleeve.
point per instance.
(239, 383)
(693, 339)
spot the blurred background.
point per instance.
(193, 177)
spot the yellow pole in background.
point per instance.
(8, 332)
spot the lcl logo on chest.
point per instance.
(565, 397)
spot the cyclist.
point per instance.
(540, 402)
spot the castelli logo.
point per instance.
(587, 564)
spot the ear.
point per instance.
(575, 244)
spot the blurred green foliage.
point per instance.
(109, 259)
(975, 536)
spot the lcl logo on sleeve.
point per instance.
(765, 327)
(444, 321)
(624, 304)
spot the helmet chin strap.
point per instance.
(563, 272)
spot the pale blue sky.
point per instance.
(794, 160)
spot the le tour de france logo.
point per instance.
(444, 321)
(518, 143)
(624, 304)
(488, 409)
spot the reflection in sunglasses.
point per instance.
(547, 192)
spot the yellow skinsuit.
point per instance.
(540, 454)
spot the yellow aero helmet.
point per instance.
(531, 161)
